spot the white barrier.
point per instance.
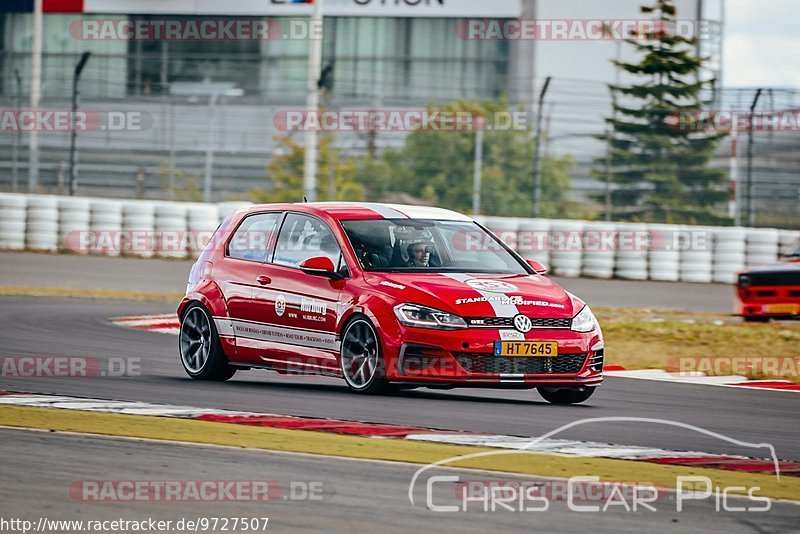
(729, 254)
(570, 248)
(74, 217)
(566, 250)
(762, 246)
(632, 249)
(664, 258)
(138, 221)
(105, 228)
(203, 219)
(172, 224)
(13, 214)
(41, 230)
(599, 257)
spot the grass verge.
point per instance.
(714, 344)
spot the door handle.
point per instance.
(264, 280)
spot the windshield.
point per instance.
(416, 245)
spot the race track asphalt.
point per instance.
(355, 496)
(73, 327)
(169, 276)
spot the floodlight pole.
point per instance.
(315, 33)
(36, 94)
(537, 159)
(73, 170)
(749, 205)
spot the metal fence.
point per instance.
(181, 127)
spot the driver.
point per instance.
(420, 254)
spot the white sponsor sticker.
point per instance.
(392, 284)
(313, 306)
(512, 300)
(492, 286)
(280, 305)
(511, 335)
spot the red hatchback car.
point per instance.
(771, 291)
(385, 297)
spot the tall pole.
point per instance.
(209, 170)
(73, 156)
(537, 159)
(750, 214)
(36, 94)
(735, 209)
(477, 176)
(312, 102)
(608, 173)
(17, 135)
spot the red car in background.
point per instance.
(384, 297)
(771, 291)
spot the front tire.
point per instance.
(566, 395)
(200, 349)
(361, 358)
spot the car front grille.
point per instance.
(508, 322)
(488, 364)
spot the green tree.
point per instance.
(661, 170)
(285, 171)
(437, 167)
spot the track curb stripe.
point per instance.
(402, 432)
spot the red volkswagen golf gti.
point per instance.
(385, 297)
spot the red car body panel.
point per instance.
(280, 318)
(772, 291)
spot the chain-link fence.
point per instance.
(154, 140)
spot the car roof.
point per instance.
(370, 210)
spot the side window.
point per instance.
(304, 237)
(253, 237)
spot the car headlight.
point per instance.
(584, 321)
(425, 317)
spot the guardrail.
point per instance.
(571, 248)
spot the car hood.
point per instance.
(480, 295)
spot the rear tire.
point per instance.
(755, 319)
(201, 352)
(566, 395)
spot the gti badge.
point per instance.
(523, 323)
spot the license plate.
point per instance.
(793, 309)
(544, 349)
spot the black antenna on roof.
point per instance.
(305, 199)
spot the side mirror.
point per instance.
(538, 267)
(320, 266)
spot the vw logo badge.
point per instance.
(523, 323)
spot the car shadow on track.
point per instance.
(243, 384)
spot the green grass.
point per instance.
(640, 339)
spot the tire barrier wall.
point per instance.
(570, 248)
